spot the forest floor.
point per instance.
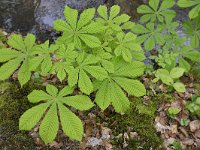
(146, 126)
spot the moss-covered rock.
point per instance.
(13, 103)
(141, 119)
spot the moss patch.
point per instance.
(141, 119)
(13, 103)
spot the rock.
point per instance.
(197, 133)
(17, 15)
(133, 135)
(94, 142)
(50, 10)
(105, 133)
(194, 125)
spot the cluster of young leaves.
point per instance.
(25, 54)
(110, 90)
(191, 3)
(53, 112)
(171, 77)
(194, 105)
(93, 55)
(158, 32)
(87, 63)
(157, 11)
(172, 112)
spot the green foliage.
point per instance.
(191, 3)
(149, 35)
(112, 20)
(157, 11)
(79, 31)
(54, 103)
(99, 55)
(23, 52)
(184, 122)
(194, 106)
(110, 90)
(176, 145)
(170, 78)
(172, 112)
(192, 29)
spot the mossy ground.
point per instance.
(141, 119)
(13, 102)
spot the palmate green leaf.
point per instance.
(127, 44)
(102, 11)
(111, 93)
(90, 40)
(84, 82)
(114, 11)
(32, 116)
(79, 31)
(45, 52)
(23, 47)
(71, 124)
(149, 35)
(7, 54)
(55, 108)
(49, 126)
(66, 91)
(188, 3)
(16, 41)
(73, 76)
(24, 52)
(132, 87)
(84, 70)
(111, 90)
(80, 102)
(107, 65)
(119, 100)
(60, 68)
(38, 95)
(52, 90)
(8, 68)
(67, 55)
(130, 70)
(96, 71)
(155, 12)
(24, 74)
(112, 20)
(71, 15)
(103, 96)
